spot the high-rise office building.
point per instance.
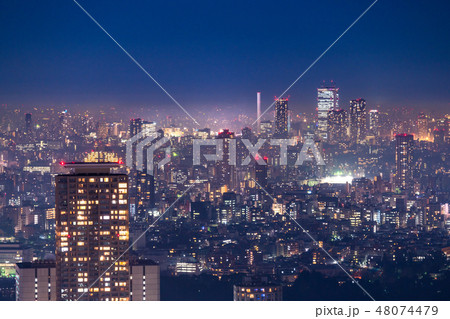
(337, 126)
(225, 173)
(422, 127)
(28, 123)
(92, 231)
(403, 160)
(261, 174)
(228, 209)
(103, 130)
(142, 193)
(281, 118)
(327, 100)
(357, 120)
(266, 129)
(138, 125)
(142, 184)
(135, 126)
(374, 123)
(149, 127)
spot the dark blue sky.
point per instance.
(208, 53)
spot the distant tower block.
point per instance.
(258, 112)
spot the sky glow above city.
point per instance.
(218, 54)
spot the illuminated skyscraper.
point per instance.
(142, 184)
(92, 230)
(135, 126)
(281, 118)
(266, 129)
(28, 123)
(337, 126)
(357, 120)
(149, 127)
(103, 130)
(422, 127)
(261, 174)
(327, 100)
(374, 123)
(228, 209)
(145, 191)
(138, 125)
(403, 160)
(225, 173)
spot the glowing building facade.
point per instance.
(253, 292)
(337, 126)
(92, 230)
(327, 100)
(357, 120)
(422, 127)
(374, 123)
(403, 160)
(281, 118)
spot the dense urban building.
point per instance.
(327, 101)
(374, 123)
(337, 126)
(255, 292)
(357, 120)
(281, 118)
(404, 144)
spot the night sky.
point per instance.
(219, 53)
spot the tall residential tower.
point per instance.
(92, 230)
(403, 160)
(357, 120)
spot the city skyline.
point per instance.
(219, 151)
